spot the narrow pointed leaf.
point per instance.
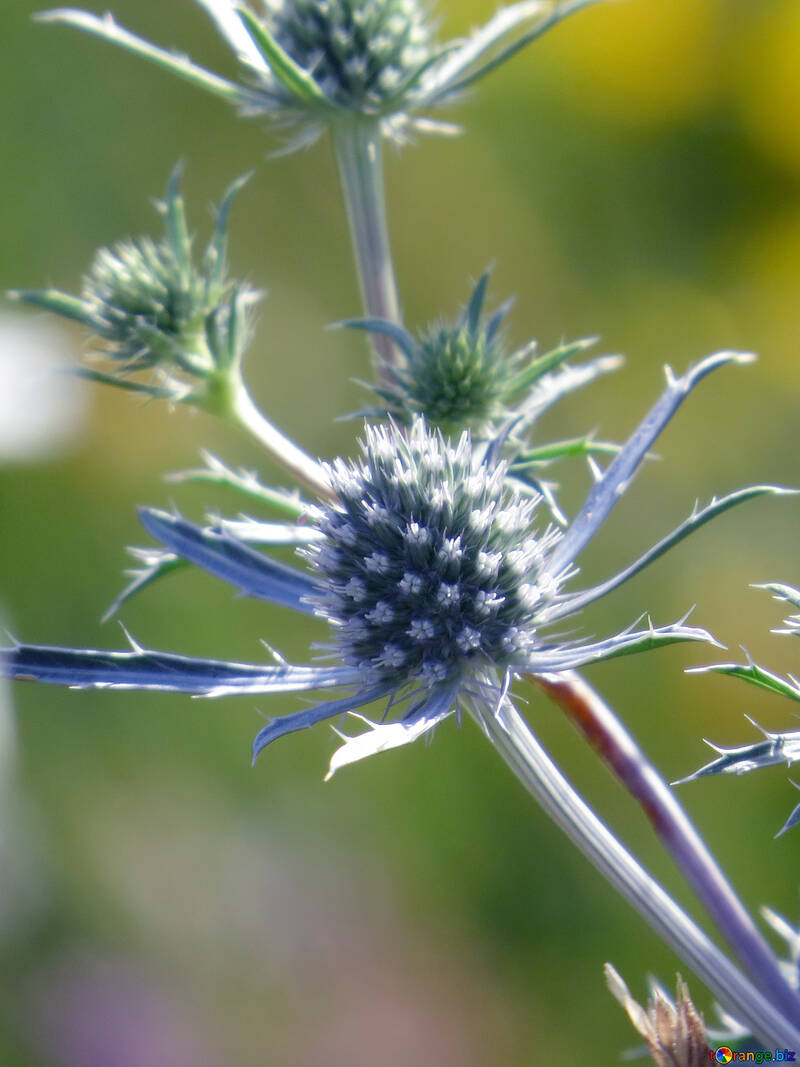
(774, 749)
(177, 229)
(455, 72)
(793, 820)
(227, 19)
(496, 320)
(243, 482)
(790, 595)
(396, 333)
(222, 555)
(575, 446)
(783, 592)
(215, 253)
(296, 81)
(754, 675)
(157, 391)
(547, 391)
(163, 563)
(107, 29)
(160, 671)
(158, 564)
(546, 363)
(574, 603)
(561, 11)
(305, 719)
(380, 737)
(71, 307)
(563, 659)
(475, 306)
(608, 490)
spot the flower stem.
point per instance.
(618, 749)
(244, 413)
(520, 749)
(358, 148)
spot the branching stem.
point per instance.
(285, 452)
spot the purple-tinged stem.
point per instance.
(608, 737)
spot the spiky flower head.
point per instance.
(314, 63)
(151, 308)
(425, 562)
(363, 54)
(430, 565)
(460, 374)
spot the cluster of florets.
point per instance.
(454, 377)
(460, 373)
(361, 53)
(430, 566)
(146, 301)
(151, 306)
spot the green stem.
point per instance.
(303, 467)
(358, 148)
(515, 742)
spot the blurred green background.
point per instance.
(635, 175)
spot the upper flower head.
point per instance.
(312, 62)
(151, 308)
(361, 53)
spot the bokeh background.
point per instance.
(635, 175)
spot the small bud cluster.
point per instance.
(429, 563)
(361, 53)
(460, 374)
(151, 307)
(454, 377)
(146, 302)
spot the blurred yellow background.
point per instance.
(635, 175)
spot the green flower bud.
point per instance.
(461, 374)
(151, 308)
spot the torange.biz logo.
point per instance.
(725, 1055)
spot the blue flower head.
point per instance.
(431, 566)
(428, 563)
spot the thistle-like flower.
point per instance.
(152, 310)
(431, 572)
(312, 63)
(459, 374)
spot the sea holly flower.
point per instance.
(154, 312)
(312, 63)
(436, 582)
(460, 374)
